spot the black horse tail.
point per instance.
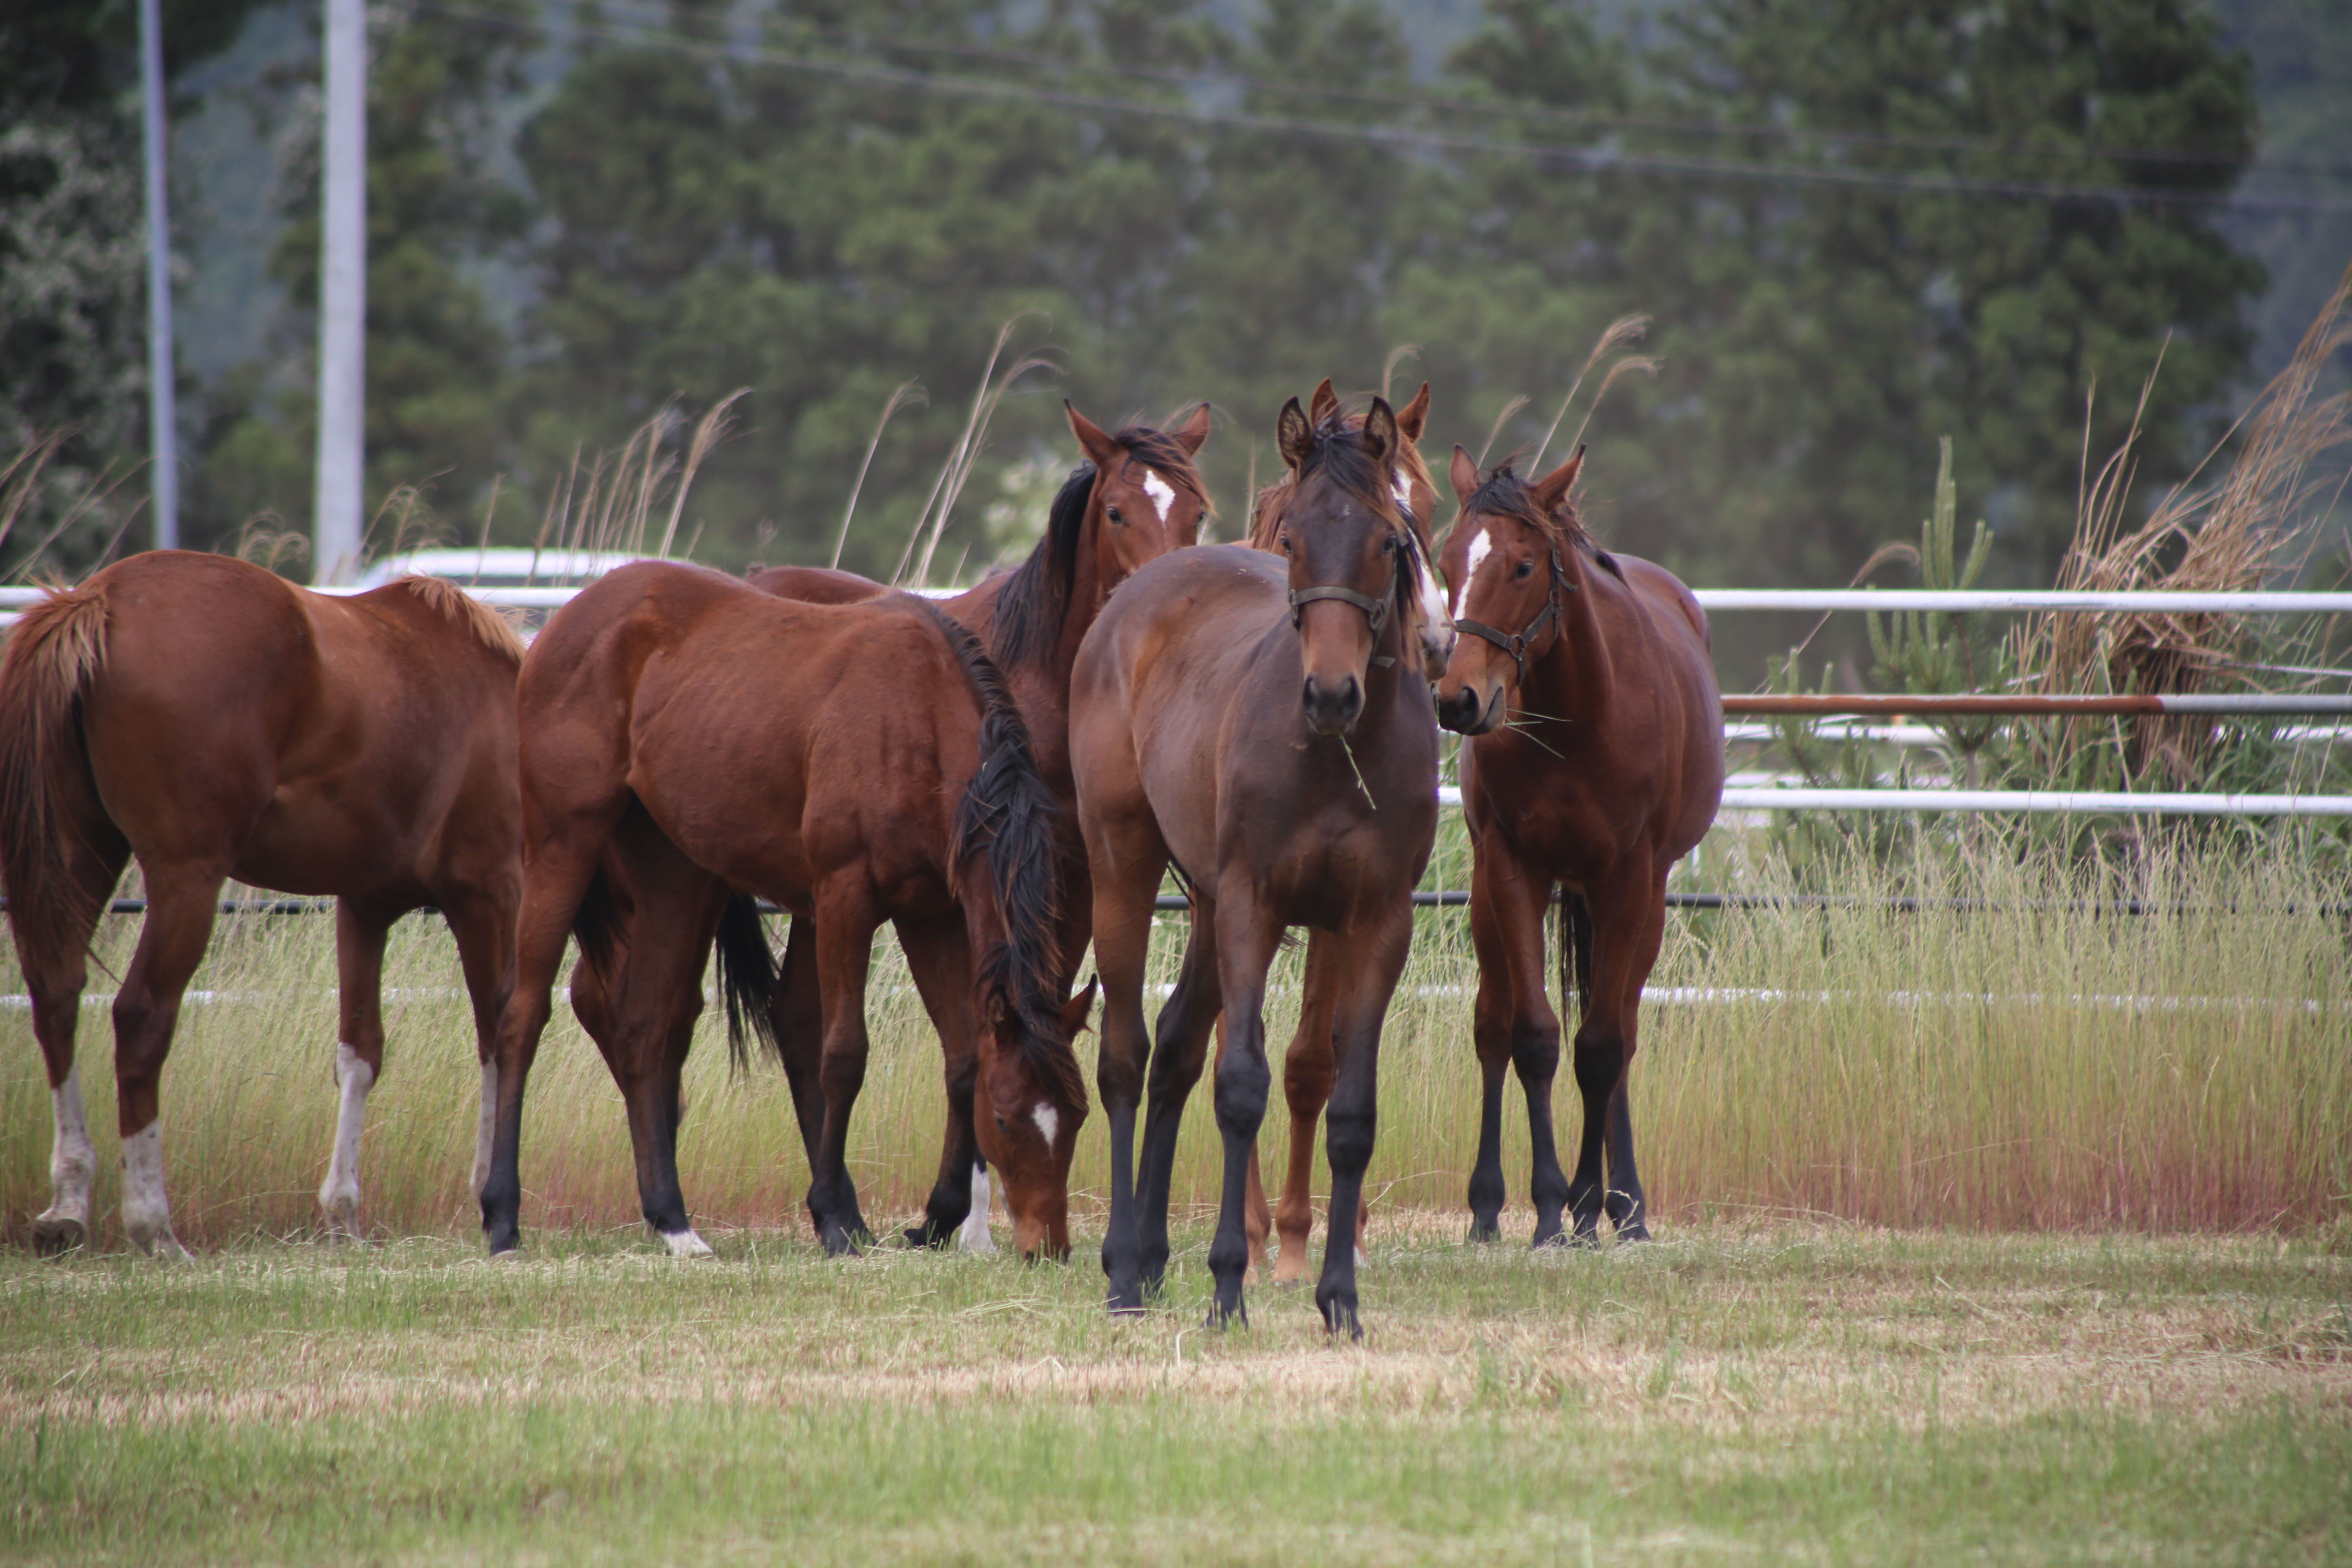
(747, 970)
(747, 979)
(1575, 948)
(1009, 814)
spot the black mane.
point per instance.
(1502, 493)
(1029, 613)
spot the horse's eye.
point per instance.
(1526, 569)
(1112, 512)
(1285, 543)
(1387, 545)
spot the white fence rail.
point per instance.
(1781, 799)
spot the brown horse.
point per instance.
(216, 721)
(1135, 498)
(1598, 763)
(857, 763)
(1260, 724)
(1308, 1065)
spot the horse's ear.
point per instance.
(1292, 435)
(1099, 448)
(1193, 433)
(1413, 417)
(1324, 405)
(1553, 488)
(1076, 1010)
(1464, 475)
(1381, 437)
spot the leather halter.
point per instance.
(1376, 610)
(1516, 644)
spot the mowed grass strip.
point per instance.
(1727, 1392)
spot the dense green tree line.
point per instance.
(822, 200)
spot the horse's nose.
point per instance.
(1331, 709)
(1463, 711)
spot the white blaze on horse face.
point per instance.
(1400, 487)
(1048, 1120)
(73, 1163)
(974, 1236)
(488, 1125)
(339, 1195)
(1482, 544)
(146, 1211)
(1162, 494)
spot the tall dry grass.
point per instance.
(2038, 1065)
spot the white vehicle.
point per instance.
(497, 567)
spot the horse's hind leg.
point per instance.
(1628, 922)
(653, 1003)
(1180, 1049)
(798, 1015)
(359, 930)
(95, 861)
(1307, 1071)
(180, 903)
(483, 925)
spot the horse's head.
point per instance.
(1513, 563)
(1415, 496)
(1148, 498)
(1355, 562)
(1026, 1108)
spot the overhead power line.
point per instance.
(1599, 160)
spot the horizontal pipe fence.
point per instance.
(1792, 798)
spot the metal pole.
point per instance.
(342, 299)
(163, 434)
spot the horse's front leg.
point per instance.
(1180, 1048)
(1369, 967)
(939, 957)
(1248, 936)
(1513, 1024)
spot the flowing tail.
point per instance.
(1575, 949)
(747, 969)
(53, 652)
(1008, 812)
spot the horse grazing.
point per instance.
(1261, 723)
(712, 743)
(1597, 763)
(1308, 1065)
(1135, 498)
(215, 721)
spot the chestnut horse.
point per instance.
(1308, 1067)
(216, 721)
(1136, 496)
(1262, 725)
(1598, 763)
(859, 763)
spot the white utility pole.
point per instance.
(164, 454)
(342, 300)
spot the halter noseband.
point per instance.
(1376, 610)
(1517, 643)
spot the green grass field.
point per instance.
(2019, 1234)
(1732, 1393)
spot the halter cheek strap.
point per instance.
(1516, 644)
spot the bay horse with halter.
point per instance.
(1308, 1065)
(1259, 722)
(215, 722)
(712, 744)
(1136, 496)
(1597, 763)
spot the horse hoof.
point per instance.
(1222, 1317)
(685, 1244)
(1126, 1303)
(1548, 1235)
(1482, 1231)
(60, 1233)
(1634, 1230)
